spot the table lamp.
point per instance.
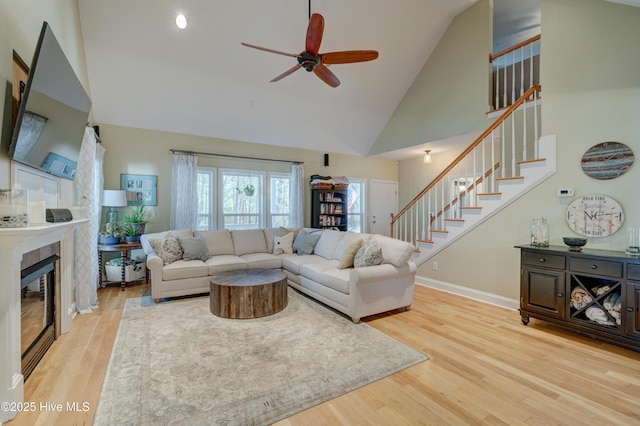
(113, 199)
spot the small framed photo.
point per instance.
(141, 189)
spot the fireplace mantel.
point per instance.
(14, 242)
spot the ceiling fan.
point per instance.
(311, 60)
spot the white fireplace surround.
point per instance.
(14, 242)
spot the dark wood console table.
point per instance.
(124, 249)
(593, 292)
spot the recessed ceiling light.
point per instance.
(181, 22)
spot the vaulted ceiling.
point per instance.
(146, 73)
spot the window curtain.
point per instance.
(184, 191)
(88, 183)
(297, 195)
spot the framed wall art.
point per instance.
(141, 190)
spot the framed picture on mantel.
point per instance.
(141, 189)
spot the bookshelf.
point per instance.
(329, 209)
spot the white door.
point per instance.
(384, 201)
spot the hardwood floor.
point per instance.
(485, 368)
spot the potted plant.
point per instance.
(111, 234)
(136, 219)
(248, 190)
(130, 234)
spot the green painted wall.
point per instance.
(449, 97)
(138, 151)
(591, 94)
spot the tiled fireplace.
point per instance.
(14, 244)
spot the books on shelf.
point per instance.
(330, 208)
(326, 220)
(330, 197)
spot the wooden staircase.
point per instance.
(470, 190)
(532, 173)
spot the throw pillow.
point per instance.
(193, 248)
(346, 261)
(368, 255)
(168, 248)
(305, 242)
(282, 231)
(395, 252)
(283, 244)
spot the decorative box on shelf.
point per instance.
(14, 208)
(321, 185)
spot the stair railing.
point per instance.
(514, 70)
(493, 156)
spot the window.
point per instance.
(206, 199)
(356, 205)
(280, 200)
(241, 200)
(241, 195)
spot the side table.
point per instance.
(124, 249)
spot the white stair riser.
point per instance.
(533, 174)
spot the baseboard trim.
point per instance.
(470, 293)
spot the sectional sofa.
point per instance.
(356, 274)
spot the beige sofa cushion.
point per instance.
(269, 235)
(327, 274)
(328, 242)
(218, 242)
(248, 241)
(224, 263)
(181, 269)
(292, 262)
(262, 261)
(394, 251)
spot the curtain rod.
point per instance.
(181, 151)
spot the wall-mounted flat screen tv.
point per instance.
(53, 112)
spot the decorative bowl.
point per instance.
(574, 243)
(108, 240)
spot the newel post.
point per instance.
(391, 226)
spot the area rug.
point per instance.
(176, 363)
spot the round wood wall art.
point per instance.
(594, 215)
(607, 160)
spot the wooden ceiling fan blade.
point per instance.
(290, 71)
(253, 46)
(314, 33)
(349, 56)
(326, 75)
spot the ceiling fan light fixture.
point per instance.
(427, 157)
(181, 21)
(312, 60)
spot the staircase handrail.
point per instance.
(494, 56)
(464, 153)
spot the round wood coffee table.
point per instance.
(248, 293)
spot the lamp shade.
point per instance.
(114, 198)
(427, 157)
